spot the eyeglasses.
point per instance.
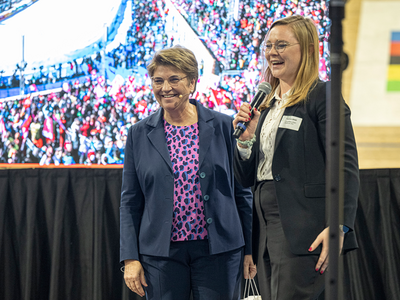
(280, 46)
(172, 81)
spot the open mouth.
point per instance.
(274, 63)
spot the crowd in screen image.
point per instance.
(148, 28)
(237, 43)
(86, 119)
(84, 123)
(148, 24)
(87, 122)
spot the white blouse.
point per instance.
(267, 137)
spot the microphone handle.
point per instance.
(238, 131)
(263, 91)
(241, 127)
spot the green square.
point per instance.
(393, 86)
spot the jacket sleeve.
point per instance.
(244, 204)
(132, 204)
(351, 170)
(245, 170)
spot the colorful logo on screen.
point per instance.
(394, 66)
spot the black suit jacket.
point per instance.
(298, 169)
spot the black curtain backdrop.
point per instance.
(59, 236)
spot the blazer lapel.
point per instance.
(206, 130)
(256, 145)
(156, 136)
(264, 114)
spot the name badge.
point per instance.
(290, 122)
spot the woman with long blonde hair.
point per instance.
(281, 156)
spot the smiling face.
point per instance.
(169, 96)
(285, 65)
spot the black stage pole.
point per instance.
(334, 149)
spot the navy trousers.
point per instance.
(191, 269)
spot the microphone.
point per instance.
(264, 88)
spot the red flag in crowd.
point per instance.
(141, 106)
(48, 129)
(3, 129)
(25, 127)
(221, 96)
(217, 96)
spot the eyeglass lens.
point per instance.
(279, 46)
(174, 80)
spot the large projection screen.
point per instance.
(73, 73)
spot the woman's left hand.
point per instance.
(323, 238)
(250, 269)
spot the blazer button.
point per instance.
(206, 197)
(209, 220)
(277, 177)
(202, 175)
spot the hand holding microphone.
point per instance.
(246, 120)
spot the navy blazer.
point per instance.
(147, 196)
(298, 169)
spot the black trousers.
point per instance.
(281, 274)
(191, 269)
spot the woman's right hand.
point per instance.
(244, 115)
(134, 276)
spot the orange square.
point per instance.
(395, 49)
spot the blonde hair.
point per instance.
(306, 34)
(178, 57)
